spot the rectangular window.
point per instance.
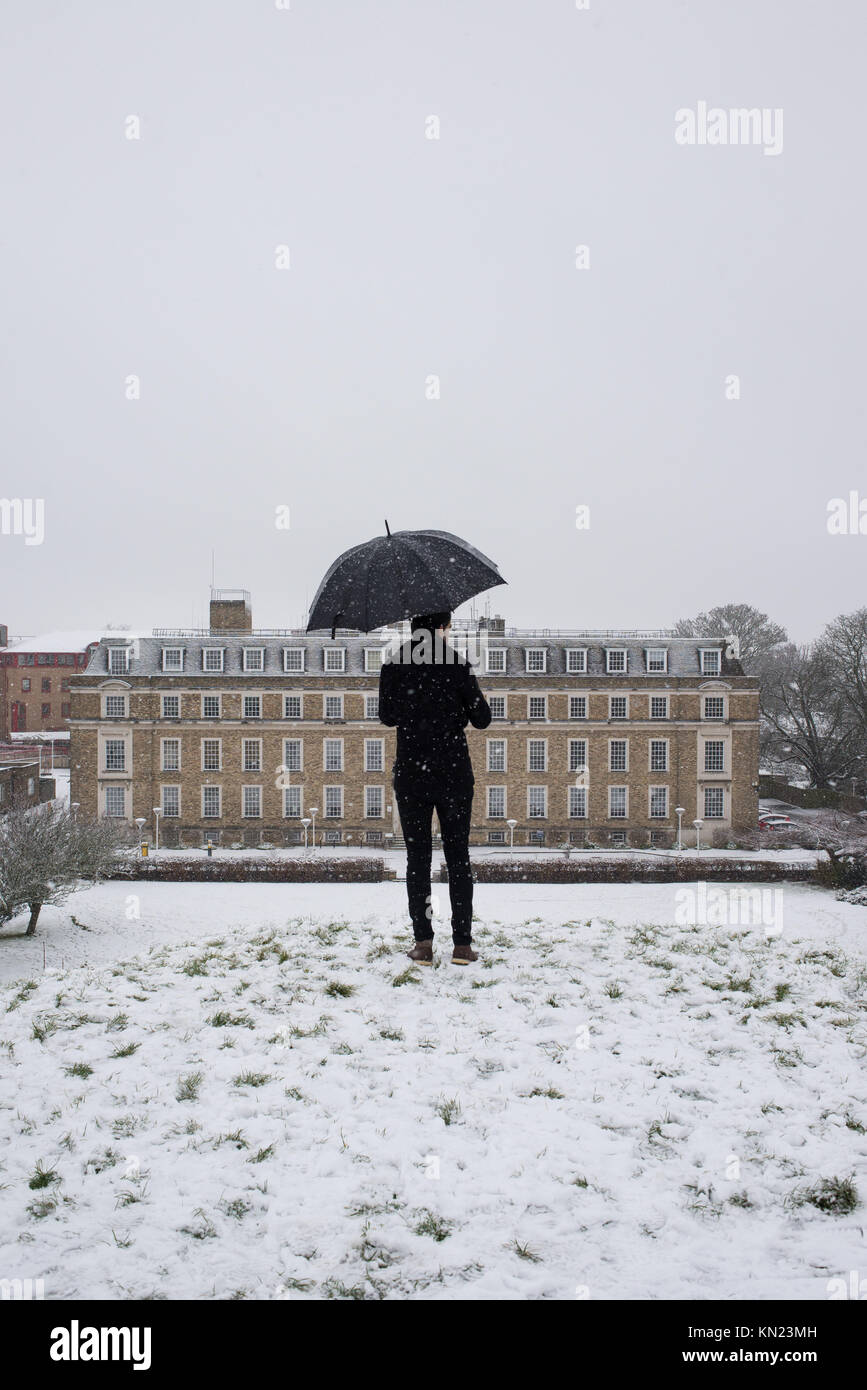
(537, 755)
(291, 706)
(496, 660)
(211, 754)
(115, 706)
(374, 755)
(659, 706)
(65, 711)
(332, 759)
(211, 803)
(293, 754)
(210, 706)
(252, 706)
(577, 754)
(714, 755)
(171, 707)
(710, 661)
(657, 659)
(372, 658)
(535, 658)
(617, 755)
(374, 802)
(658, 802)
(617, 803)
(714, 803)
(577, 706)
(659, 755)
(714, 707)
(293, 658)
(171, 801)
(251, 802)
(118, 660)
(577, 803)
(333, 803)
(292, 803)
(46, 685)
(498, 706)
(496, 755)
(617, 706)
(333, 706)
(252, 754)
(334, 659)
(212, 659)
(115, 755)
(576, 660)
(615, 660)
(537, 707)
(496, 803)
(25, 685)
(115, 801)
(173, 658)
(371, 706)
(537, 803)
(254, 658)
(46, 711)
(171, 755)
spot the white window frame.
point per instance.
(493, 669)
(219, 652)
(332, 695)
(714, 742)
(212, 695)
(650, 702)
(327, 653)
(124, 710)
(620, 718)
(656, 815)
(544, 790)
(300, 767)
(710, 651)
(295, 670)
(163, 699)
(716, 791)
(379, 743)
(257, 743)
(616, 670)
(251, 815)
(618, 787)
(115, 793)
(163, 765)
(170, 787)
(544, 743)
(497, 698)
(656, 651)
(489, 744)
(537, 718)
(380, 789)
(583, 716)
(244, 698)
(293, 696)
(219, 743)
(713, 718)
(576, 796)
(341, 754)
(493, 815)
(210, 790)
(120, 743)
(611, 743)
(371, 706)
(573, 760)
(536, 670)
(666, 745)
(579, 667)
(122, 667)
(332, 787)
(249, 652)
(173, 670)
(295, 789)
(368, 653)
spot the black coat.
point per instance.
(431, 705)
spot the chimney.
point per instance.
(4, 635)
(495, 624)
(230, 610)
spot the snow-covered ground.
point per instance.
(242, 1090)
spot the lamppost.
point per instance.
(680, 812)
(698, 825)
(141, 822)
(158, 810)
(305, 821)
(313, 810)
(511, 824)
(74, 805)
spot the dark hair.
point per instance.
(429, 622)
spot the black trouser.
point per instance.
(453, 804)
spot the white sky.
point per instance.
(306, 387)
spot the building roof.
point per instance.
(146, 653)
(76, 640)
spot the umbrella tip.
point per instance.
(387, 531)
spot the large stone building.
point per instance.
(237, 736)
(34, 679)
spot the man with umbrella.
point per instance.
(430, 693)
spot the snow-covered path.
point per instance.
(267, 1103)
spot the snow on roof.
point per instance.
(68, 641)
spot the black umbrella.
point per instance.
(396, 576)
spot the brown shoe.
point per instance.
(462, 955)
(422, 953)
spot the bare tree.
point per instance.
(47, 852)
(806, 720)
(757, 635)
(844, 647)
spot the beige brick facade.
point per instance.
(684, 738)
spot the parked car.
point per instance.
(770, 821)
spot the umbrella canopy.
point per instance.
(396, 576)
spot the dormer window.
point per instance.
(535, 658)
(615, 660)
(372, 658)
(212, 659)
(173, 658)
(293, 658)
(334, 659)
(254, 658)
(710, 660)
(118, 660)
(657, 659)
(576, 660)
(495, 660)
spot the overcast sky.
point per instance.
(409, 257)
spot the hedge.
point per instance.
(673, 870)
(203, 870)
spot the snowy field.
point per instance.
(235, 1090)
